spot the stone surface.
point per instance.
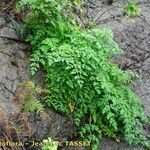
(12, 59)
(2, 21)
(133, 36)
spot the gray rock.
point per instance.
(8, 32)
(2, 22)
(108, 144)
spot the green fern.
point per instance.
(79, 71)
(34, 105)
(27, 94)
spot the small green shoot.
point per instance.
(132, 9)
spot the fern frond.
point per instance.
(34, 105)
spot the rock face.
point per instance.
(13, 65)
(133, 36)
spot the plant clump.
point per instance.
(81, 75)
(132, 9)
(49, 144)
(27, 95)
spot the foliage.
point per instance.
(132, 9)
(27, 94)
(49, 144)
(80, 75)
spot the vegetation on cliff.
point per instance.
(80, 76)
